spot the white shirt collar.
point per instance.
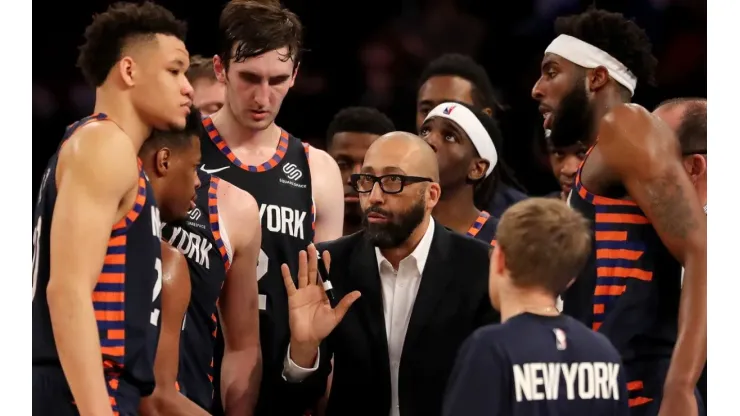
(420, 253)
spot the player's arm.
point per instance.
(96, 170)
(476, 383)
(241, 369)
(166, 400)
(328, 194)
(642, 151)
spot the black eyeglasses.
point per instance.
(390, 184)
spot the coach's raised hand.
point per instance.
(311, 316)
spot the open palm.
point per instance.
(311, 316)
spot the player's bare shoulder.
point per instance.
(321, 163)
(100, 153)
(237, 206)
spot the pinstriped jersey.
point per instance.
(199, 239)
(630, 287)
(484, 228)
(126, 296)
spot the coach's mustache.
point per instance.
(376, 209)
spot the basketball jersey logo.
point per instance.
(560, 341)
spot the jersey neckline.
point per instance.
(280, 151)
(593, 198)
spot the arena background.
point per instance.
(372, 52)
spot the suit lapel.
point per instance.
(436, 276)
(370, 304)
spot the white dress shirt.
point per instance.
(399, 293)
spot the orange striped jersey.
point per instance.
(126, 296)
(282, 188)
(201, 238)
(630, 287)
(484, 228)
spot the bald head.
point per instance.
(688, 118)
(405, 152)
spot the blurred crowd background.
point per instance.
(372, 53)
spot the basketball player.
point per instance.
(688, 118)
(201, 236)
(646, 218)
(96, 253)
(565, 162)
(291, 182)
(208, 93)
(350, 134)
(536, 362)
(465, 141)
(455, 77)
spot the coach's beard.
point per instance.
(397, 229)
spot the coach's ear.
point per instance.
(162, 161)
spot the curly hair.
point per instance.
(256, 27)
(176, 139)
(616, 35)
(463, 66)
(112, 30)
(359, 120)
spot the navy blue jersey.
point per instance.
(126, 297)
(484, 228)
(629, 289)
(535, 365)
(283, 190)
(201, 239)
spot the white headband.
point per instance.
(470, 124)
(589, 56)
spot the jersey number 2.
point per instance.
(154, 319)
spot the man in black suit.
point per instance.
(423, 290)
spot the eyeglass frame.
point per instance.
(405, 180)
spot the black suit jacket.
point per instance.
(451, 303)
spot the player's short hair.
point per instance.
(255, 27)
(463, 66)
(176, 139)
(616, 35)
(545, 243)
(692, 129)
(111, 31)
(200, 68)
(359, 120)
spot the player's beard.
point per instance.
(397, 229)
(573, 121)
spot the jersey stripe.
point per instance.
(213, 219)
(478, 224)
(220, 143)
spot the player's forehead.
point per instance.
(168, 50)
(272, 63)
(551, 60)
(442, 124)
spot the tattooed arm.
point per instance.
(645, 155)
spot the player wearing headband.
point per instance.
(465, 141)
(646, 219)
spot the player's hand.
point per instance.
(311, 316)
(679, 402)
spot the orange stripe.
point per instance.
(611, 235)
(600, 200)
(599, 308)
(112, 351)
(624, 272)
(108, 297)
(621, 218)
(177, 386)
(635, 385)
(113, 383)
(606, 290)
(109, 315)
(117, 241)
(637, 401)
(113, 402)
(115, 259)
(121, 223)
(112, 278)
(596, 326)
(606, 253)
(116, 334)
